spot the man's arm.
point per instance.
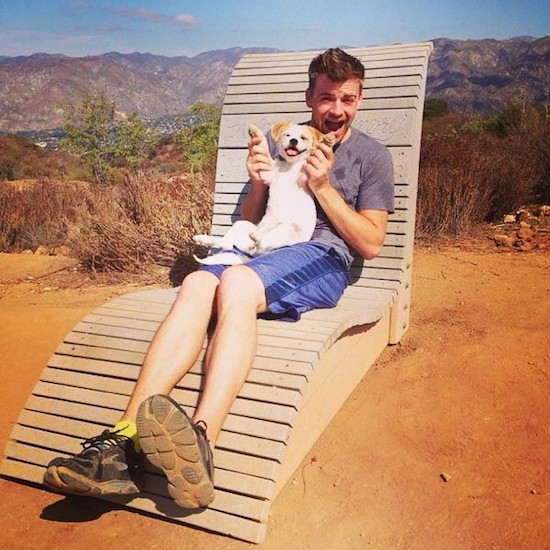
(363, 230)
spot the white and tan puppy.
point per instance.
(290, 214)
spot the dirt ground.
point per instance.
(445, 444)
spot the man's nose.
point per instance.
(337, 107)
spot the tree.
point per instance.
(93, 132)
(88, 133)
(133, 141)
(199, 138)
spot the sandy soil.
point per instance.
(445, 444)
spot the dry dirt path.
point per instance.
(444, 445)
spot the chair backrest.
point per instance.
(267, 88)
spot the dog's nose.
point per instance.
(293, 142)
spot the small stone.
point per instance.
(522, 215)
(504, 240)
(445, 477)
(526, 247)
(510, 218)
(525, 234)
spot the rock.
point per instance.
(526, 247)
(504, 240)
(509, 218)
(522, 215)
(525, 234)
(62, 251)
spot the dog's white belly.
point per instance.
(289, 219)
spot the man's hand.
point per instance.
(258, 160)
(318, 167)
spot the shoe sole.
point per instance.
(169, 442)
(66, 481)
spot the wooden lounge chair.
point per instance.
(303, 371)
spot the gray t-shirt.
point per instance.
(363, 175)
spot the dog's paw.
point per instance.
(329, 140)
(204, 240)
(254, 131)
(221, 258)
(255, 236)
(267, 177)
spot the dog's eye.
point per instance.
(304, 138)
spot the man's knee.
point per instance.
(197, 285)
(240, 285)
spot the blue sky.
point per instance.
(86, 27)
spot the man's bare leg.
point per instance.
(240, 297)
(179, 446)
(178, 341)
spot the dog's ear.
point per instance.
(278, 128)
(315, 134)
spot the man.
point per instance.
(353, 189)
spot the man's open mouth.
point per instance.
(333, 125)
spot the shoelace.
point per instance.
(201, 425)
(105, 439)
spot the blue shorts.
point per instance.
(297, 278)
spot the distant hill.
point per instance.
(471, 75)
(484, 75)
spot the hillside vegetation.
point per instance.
(473, 171)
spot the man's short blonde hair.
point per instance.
(338, 65)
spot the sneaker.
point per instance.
(176, 445)
(108, 465)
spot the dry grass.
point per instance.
(128, 227)
(139, 223)
(468, 178)
(142, 222)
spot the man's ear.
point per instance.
(308, 98)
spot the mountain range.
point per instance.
(480, 76)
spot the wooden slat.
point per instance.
(300, 66)
(299, 109)
(371, 84)
(233, 167)
(100, 415)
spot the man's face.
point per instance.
(333, 105)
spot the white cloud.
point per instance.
(186, 20)
(181, 20)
